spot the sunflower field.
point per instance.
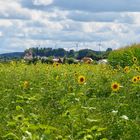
(69, 102)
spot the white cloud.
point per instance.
(13, 10)
(5, 23)
(1, 34)
(29, 23)
(42, 2)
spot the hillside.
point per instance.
(12, 55)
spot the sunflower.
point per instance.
(134, 79)
(70, 88)
(137, 68)
(138, 78)
(26, 84)
(88, 62)
(75, 74)
(55, 64)
(126, 69)
(115, 86)
(134, 59)
(81, 79)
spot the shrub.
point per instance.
(71, 61)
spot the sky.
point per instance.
(68, 24)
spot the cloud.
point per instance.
(42, 2)
(1, 34)
(5, 23)
(117, 17)
(30, 23)
(13, 10)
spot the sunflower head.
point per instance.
(126, 69)
(137, 68)
(134, 59)
(75, 74)
(138, 78)
(88, 62)
(81, 79)
(115, 86)
(70, 88)
(134, 79)
(55, 64)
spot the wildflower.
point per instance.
(134, 79)
(134, 59)
(81, 79)
(124, 117)
(26, 84)
(126, 69)
(88, 62)
(115, 86)
(114, 111)
(70, 88)
(138, 78)
(19, 117)
(75, 74)
(55, 64)
(137, 68)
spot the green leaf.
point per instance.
(101, 129)
(11, 136)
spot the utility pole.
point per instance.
(77, 46)
(100, 44)
(55, 46)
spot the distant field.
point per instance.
(69, 102)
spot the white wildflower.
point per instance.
(114, 111)
(124, 117)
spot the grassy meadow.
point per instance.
(69, 102)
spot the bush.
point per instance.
(127, 56)
(71, 61)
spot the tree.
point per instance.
(108, 49)
(71, 53)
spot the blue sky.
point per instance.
(66, 23)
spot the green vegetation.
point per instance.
(69, 102)
(125, 56)
(11, 56)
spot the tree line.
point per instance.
(61, 52)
